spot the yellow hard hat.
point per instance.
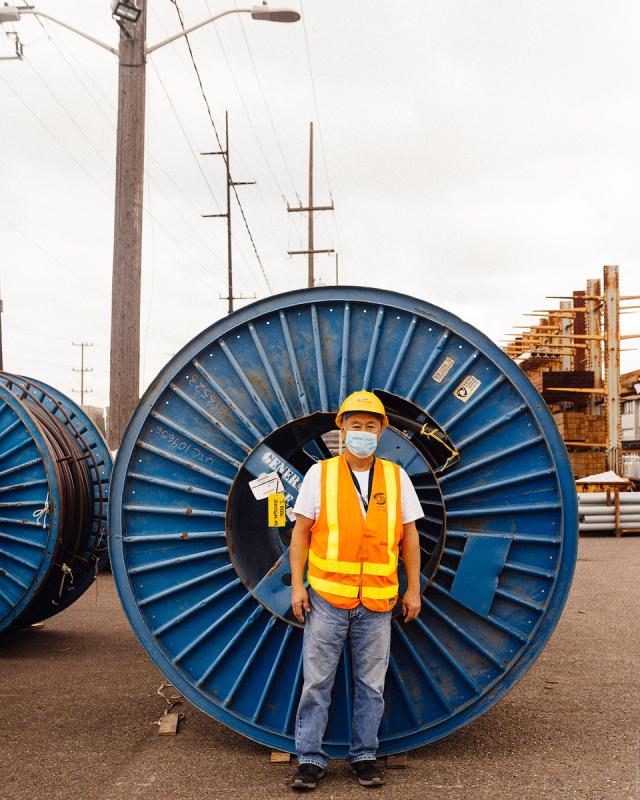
(365, 403)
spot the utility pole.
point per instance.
(124, 385)
(230, 184)
(310, 209)
(83, 370)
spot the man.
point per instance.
(354, 514)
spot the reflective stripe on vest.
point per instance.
(332, 510)
(380, 592)
(392, 498)
(342, 589)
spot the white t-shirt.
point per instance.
(308, 502)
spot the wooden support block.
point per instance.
(168, 725)
(398, 761)
(277, 757)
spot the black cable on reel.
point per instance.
(76, 508)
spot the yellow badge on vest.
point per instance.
(277, 510)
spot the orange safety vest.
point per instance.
(354, 559)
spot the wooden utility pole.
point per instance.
(310, 265)
(83, 370)
(310, 209)
(124, 388)
(230, 184)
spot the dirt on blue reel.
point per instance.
(54, 477)
(205, 581)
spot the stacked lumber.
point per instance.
(538, 367)
(587, 462)
(575, 426)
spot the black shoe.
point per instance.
(307, 776)
(368, 773)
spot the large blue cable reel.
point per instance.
(54, 477)
(205, 581)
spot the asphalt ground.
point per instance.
(79, 702)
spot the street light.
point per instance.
(127, 243)
(125, 10)
(262, 12)
(274, 14)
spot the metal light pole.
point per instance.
(124, 384)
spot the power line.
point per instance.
(198, 163)
(67, 113)
(104, 160)
(55, 138)
(264, 99)
(215, 130)
(320, 128)
(108, 102)
(273, 127)
(184, 132)
(53, 258)
(64, 266)
(315, 97)
(34, 333)
(110, 167)
(112, 125)
(192, 149)
(252, 127)
(167, 233)
(77, 74)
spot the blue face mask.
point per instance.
(361, 443)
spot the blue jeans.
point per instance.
(325, 631)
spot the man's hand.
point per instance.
(300, 602)
(411, 604)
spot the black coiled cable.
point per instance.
(76, 512)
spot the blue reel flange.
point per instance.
(205, 581)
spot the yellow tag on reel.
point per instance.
(277, 507)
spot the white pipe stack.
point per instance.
(594, 514)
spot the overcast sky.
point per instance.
(480, 155)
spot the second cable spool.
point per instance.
(54, 476)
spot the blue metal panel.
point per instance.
(204, 580)
(479, 567)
